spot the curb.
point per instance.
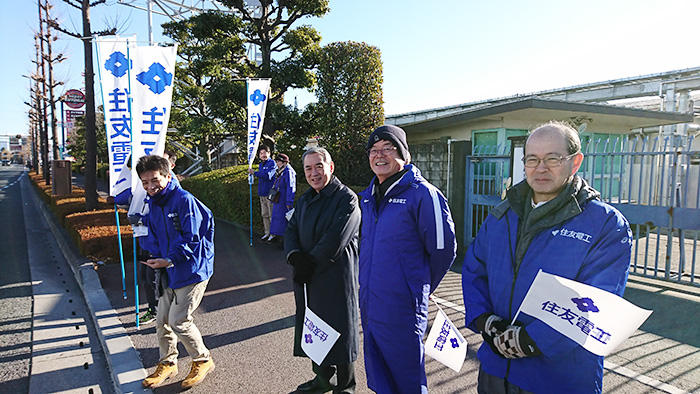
(125, 367)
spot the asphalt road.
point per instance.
(247, 320)
(15, 286)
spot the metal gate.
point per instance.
(654, 182)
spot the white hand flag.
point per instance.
(318, 337)
(445, 343)
(594, 318)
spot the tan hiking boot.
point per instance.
(199, 370)
(163, 371)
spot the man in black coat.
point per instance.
(321, 243)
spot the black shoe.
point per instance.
(314, 386)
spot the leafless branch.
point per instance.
(106, 32)
(73, 4)
(56, 26)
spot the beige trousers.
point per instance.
(266, 211)
(174, 320)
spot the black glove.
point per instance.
(304, 266)
(515, 342)
(491, 326)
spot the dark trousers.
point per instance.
(147, 277)
(340, 376)
(489, 384)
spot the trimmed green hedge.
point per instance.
(225, 192)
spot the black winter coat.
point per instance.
(325, 225)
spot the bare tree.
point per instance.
(90, 139)
(44, 129)
(51, 60)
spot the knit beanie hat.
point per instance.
(393, 134)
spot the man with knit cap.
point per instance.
(407, 245)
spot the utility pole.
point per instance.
(90, 138)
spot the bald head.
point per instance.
(567, 135)
(552, 157)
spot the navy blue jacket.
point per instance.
(266, 176)
(575, 236)
(180, 228)
(407, 245)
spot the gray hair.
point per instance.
(573, 142)
(325, 156)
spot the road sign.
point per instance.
(74, 98)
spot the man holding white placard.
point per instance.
(553, 221)
(321, 243)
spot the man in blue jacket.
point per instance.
(266, 176)
(180, 241)
(552, 221)
(407, 245)
(146, 274)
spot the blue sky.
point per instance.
(435, 54)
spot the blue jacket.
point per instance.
(575, 236)
(286, 183)
(266, 176)
(180, 228)
(407, 245)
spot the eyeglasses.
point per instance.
(551, 161)
(385, 150)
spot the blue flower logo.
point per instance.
(454, 342)
(308, 338)
(257, 97)
(156, 78)
(585, 304)
(117, 64)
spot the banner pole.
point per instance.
(136, 284)
(121, 253)
(250, 177)
(250, 199)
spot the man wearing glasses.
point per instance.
(552, 221)
(407, 245)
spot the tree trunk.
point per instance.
(54, 135)
(90, 138)
(42, 109)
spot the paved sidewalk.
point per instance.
(113, 353)
(66, 355)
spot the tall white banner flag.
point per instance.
(594, 318)
(445, 343)
(317, 337)
(113, 72)
(258, 93)
(152, 80)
